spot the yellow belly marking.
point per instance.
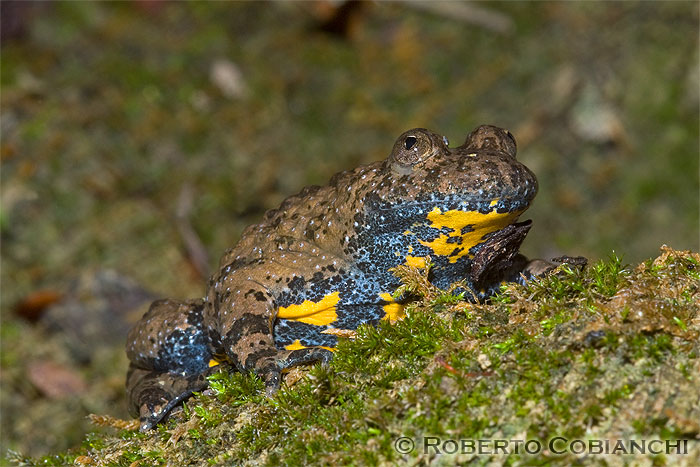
(319, 313)
(456, 220)
(393, 310)
(415, 261)
(297, 345)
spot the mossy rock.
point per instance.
(609, 356)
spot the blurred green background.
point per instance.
(142, 137)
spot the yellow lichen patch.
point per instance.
(456, 220)
(319, 313)
(415, 261)
(393, 310)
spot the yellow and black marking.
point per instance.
(319, 323)
(297, 345)
(320, 313)
(415, 261)
(466, 229)
(394, 311)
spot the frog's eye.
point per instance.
(489, 138)
(410, 141)
(415, 147)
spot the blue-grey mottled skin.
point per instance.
(343, 237)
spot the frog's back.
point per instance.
(318, 217)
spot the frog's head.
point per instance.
(481, 174)
(447, 201)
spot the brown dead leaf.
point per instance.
(54, 380)
(33, 305)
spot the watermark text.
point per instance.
(558, 445)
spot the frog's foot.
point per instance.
(270, 369)
(153, 394)
(540, 267)
(170, 355)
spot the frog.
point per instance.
(321, 265)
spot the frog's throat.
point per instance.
(466, 229)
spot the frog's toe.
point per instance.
(579, 262)
(157, 406)
(272, 382)
(271, 373)
(271, 368)
(154, 407)
(310, 355)
(540, 267)
(153, 394)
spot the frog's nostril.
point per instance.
(410, 141)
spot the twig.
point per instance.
(461, 11)
(196, 252)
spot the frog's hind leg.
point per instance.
(170, 356)
(153, 394)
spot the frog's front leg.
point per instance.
(246, 318)
(170, 355)
(541, 267)
(498, 260)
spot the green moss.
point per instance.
(558, 357)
